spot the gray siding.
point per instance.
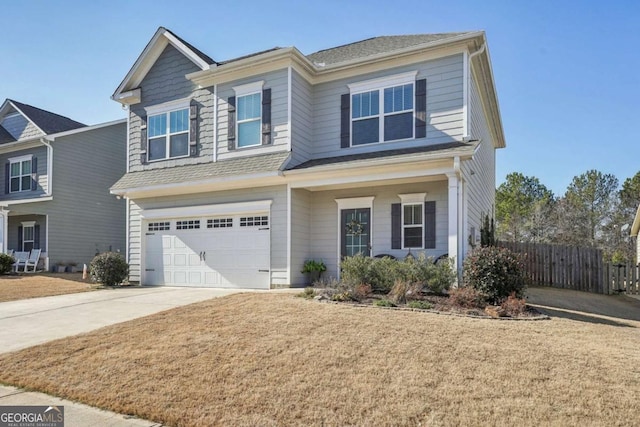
(444, 107)
(324, 220)
(278, 82)
(301, 119)
(166, 82)
(481, 185)
(20, 128)
(83, 217)
(40, 153)
(278, 222)
(300, 233)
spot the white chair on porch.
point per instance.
(21, 258)
(32, 261)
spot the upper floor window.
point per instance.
(20, 171)
(249, 119)
(168, 135)
(383, 109)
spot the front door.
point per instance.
(355, 234)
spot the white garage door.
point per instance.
(227, 252)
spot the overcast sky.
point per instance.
(567, 72)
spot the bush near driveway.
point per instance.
(109, 269)
(495, 272)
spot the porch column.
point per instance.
(4, 231)
(454, 184)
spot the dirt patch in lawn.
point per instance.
(275, 359)
(23, 286)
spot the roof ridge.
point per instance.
(197, 51)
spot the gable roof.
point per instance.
(46, 121)
(374, 46)
(5, 136)
(160, 40)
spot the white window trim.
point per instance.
(168, 134)
(379, 85)
(25, 225)
(413, 199)
(166, 107)
(21, 159)
(246, 90)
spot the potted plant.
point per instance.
(72, 267)
(60, 267)
(313, 269)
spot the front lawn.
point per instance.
(23, 286)
(274, 359)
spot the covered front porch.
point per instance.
(376, 217)
(22, 232)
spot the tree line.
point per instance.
(595, 211)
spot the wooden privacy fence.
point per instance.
(578, 268)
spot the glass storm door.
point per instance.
(355, 234)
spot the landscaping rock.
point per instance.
(320, 298)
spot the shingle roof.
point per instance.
(202, 172)
(47, 121)
(250, 55)
(375, 45)
(5, 136)
(206, 58)
(388, 155)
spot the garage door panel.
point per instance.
(216, 257)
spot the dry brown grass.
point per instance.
(273, 359)
(41, 285)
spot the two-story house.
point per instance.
(240, 170)
(57, 175)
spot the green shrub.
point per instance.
(6, 263)
(495, 272)
(467, 297)
(311, 265)
(384, 303)
(109, 269)
(422, 305)
(383, 273)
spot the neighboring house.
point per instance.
(238, 171)
(57, 174)
(635, 230)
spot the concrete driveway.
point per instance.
(34, 321)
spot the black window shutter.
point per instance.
(34, 173)
(143, 139)
(7, 177)
(343, 232)
(396, 226)
(193, 128)
(345, 120)
(19, 238)
(429, 225)
(266, 117)
(421, 108)
(231, 123)
(36, 236)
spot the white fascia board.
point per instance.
(7, 203)
(129, 97)
(205, 210)
(20, 145)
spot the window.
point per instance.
(383, 109)
(191, 224)
(220, 223)
(412, 226)
(168, 135)
(159, 226)
(252, 221)
(28, 236)
(249, 119)
(20, 170)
